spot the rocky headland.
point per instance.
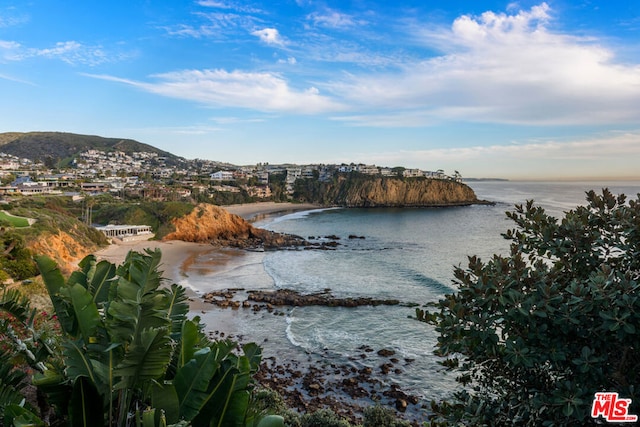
(212, 224)
(359, 191)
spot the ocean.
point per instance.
(407, 254)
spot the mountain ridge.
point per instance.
(57, 146)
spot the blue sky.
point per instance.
(518, 90)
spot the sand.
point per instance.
(251, 211)
(177, 255)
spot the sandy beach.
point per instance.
(177, 255)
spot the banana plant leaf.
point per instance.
(85, 406)
(177, 309)
(96, 277)
(19, 416)
(146, 359)
(54, 282)
(192, 382)
(85, 310)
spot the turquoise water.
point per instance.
(406, 254)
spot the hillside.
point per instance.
(39, 146)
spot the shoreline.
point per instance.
(306, 381)
(178, 256)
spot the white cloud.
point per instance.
(269, 36)
(71, 52)
(228, 5)
(260, 91)
(217, 4)
(505, 68)
(333, 19)
(290, 60)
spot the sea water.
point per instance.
(406, 254)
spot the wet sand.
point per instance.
(179, 256)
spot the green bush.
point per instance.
(379, 416)
(536, 333)
(323, 418)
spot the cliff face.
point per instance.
(207, 223)
(396, 192)
(65, 249)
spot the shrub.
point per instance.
(536, 333)
(379, 416)
(323, 418)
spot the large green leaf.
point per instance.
(165, 397)
(17, 305)
(78, 363)
(271, 421)
(85, 406)
(227, 398)
(96, 277)
(56, 387)
(142, 269)
(85, 311)
(177, 309)
(187, 344)
(146, 359)
(54, 282)
(192, 382)
(19, 416)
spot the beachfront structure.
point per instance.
(126, 232)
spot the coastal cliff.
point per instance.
(361, 191)
(208, 223)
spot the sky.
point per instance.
(516, 90)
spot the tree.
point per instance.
(536, 333)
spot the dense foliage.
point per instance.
(126, 354)
(15, 259)
(534, 334)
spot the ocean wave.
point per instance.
(297, 215)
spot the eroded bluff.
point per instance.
(212, 224)
(396, 192)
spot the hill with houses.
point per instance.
(65, 163)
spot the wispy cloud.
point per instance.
(71, 52)
(229, 5)
(15, 79)
(504, 68)
(215, 25)
(9, 18)
(261, 91)
(333, 19)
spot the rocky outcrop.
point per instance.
(397, 192)
(212, 224)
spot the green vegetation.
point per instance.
(15, 259)
(13, 220)
(536, 333)
(126, 355)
